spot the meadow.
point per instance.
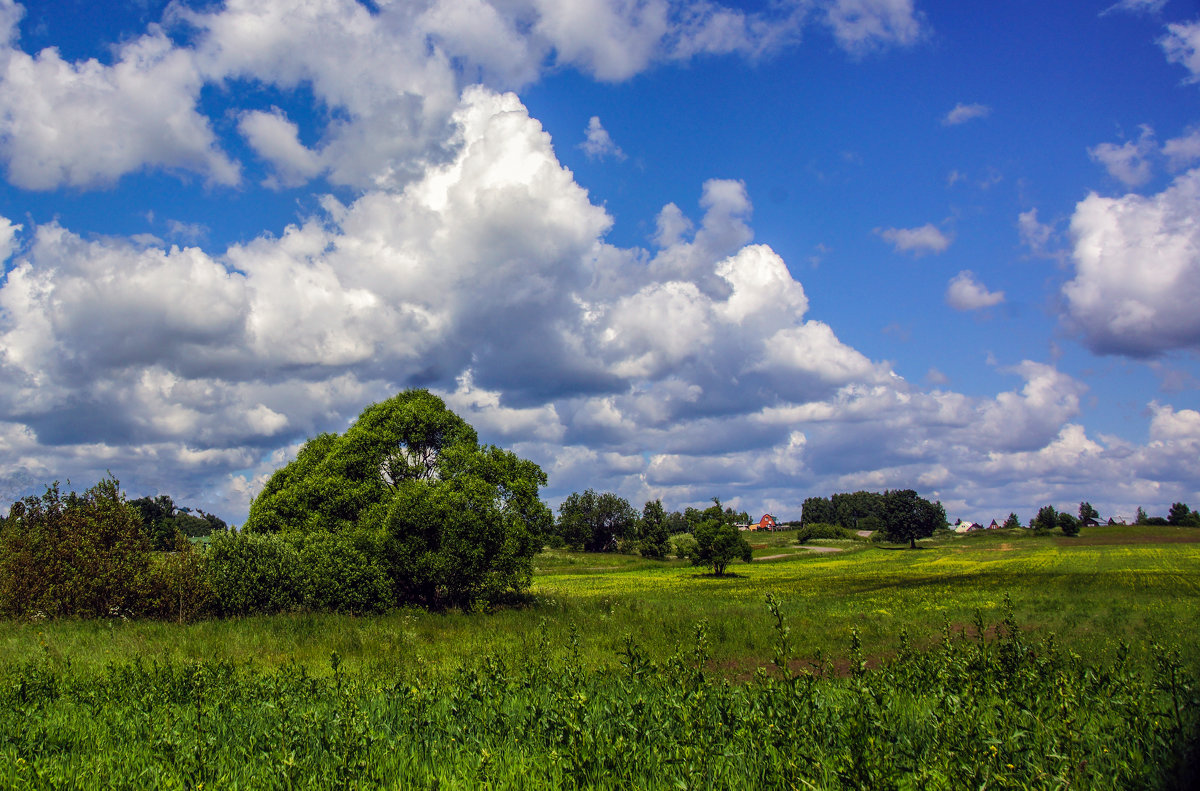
(999, 658)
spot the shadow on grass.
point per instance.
(728, 575)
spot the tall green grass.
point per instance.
(1002, 711)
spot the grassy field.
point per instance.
(998, 659)
(1140, 584)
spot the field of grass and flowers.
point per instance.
(999, 658)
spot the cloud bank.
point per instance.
(462, 256)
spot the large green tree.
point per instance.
(718, 543)
(596, 522)
(653, 530)
(458, 522)
(907, 516)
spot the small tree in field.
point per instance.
(718, 543)
(1068, 524)
(653, 530)
(1012, 521)
(1046, 519)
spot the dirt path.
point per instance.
(864, 533)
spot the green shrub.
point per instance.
(253, 573)
(682, 544)
(824, 530)
(179, 587)
(78, 555)
(342, 572)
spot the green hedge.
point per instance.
(824, 530)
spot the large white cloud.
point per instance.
(467, 259)
(86, 124)
(1137, 270)
(388, 78)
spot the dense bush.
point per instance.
(823, 530)
(268, 573)
(74, 555)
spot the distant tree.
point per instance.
(156, 513)
(596, 522)
(871, 522)
(653, 531)
(1086, 512)
(717, 543)
(1179, 514)
(677, 523)
(852, 507)
(1140, 519)
(817, 509)
(907, 516)
(1012, 521)
(1068, 524)
(1046, 519)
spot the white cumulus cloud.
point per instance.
(918, 241)
(1129, 162)
(1137, 270)
(966, 293)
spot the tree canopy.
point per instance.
(458, 521)
(596, 522)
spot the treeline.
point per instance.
(900, 515)
(162, 520)
(606, 522)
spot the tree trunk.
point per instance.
(912, 542)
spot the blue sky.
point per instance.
(760, 251)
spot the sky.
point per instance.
(674, 249)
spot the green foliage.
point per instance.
(74, 555)
(822, 530)
(1068, 524)
(654, 531)
(1012, 522)
(455, 522)
(971, 711)
(1086, 512)
(1183, 516)
(1046, 520)
(817, 510)
(162, 520)
(179, 586)
(254, 573)
(717, 544)
(596, 522)
(683, 545)
(907, 517)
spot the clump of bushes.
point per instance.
(824, 530)
(75, 555)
